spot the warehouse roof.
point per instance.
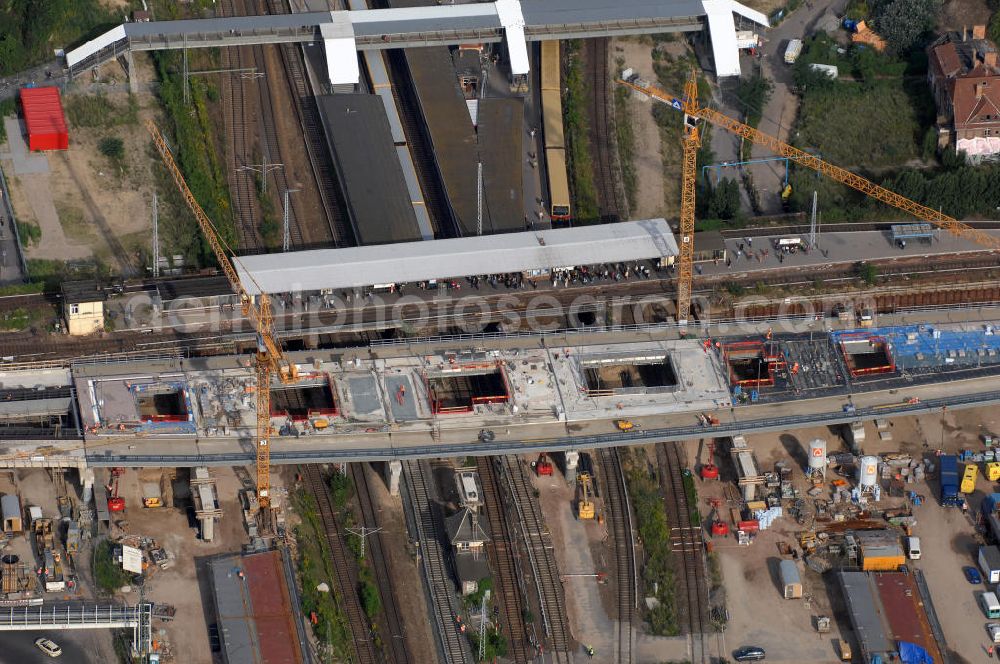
(371, 178)
(254, 611)
(43, 112)
(358, 267)
(500, 129)
(865, 610)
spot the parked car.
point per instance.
(993, 629)
(49, 647)
(972, 575)
(749, 654)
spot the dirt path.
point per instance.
(781, 109)
(647, 158)
(588, 620)
(32, 199)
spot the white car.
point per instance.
(49, 647)
(994, 631)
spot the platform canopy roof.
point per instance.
(411, 262)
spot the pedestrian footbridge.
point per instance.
(343, 33)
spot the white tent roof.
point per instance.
(410, 262)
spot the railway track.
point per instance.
(503, 562)
(340, 557)
(239, 139)
(610, 196)
(619, 516)
(394, 634)
(320, 160)
(686, 544)
(538, 542)
(452, 646)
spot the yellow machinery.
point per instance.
(969, 477)
(693, 112)
(269, 359)
(585, 504)
(625, 425)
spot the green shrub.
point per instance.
(112, 147)
(370, 599)
(108, 574)
(651, 522)
(30, 233)
(576, 122)
(29, 29)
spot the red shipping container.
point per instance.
(43, 115)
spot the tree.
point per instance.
(724, 200)
(112, 147)
(868, 273)
(902, 22)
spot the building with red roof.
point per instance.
(964, 75)
(43, 116)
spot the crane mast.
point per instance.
(693, 111)
(692, 141)
(269, 360)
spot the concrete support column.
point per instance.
(86, 484)
(133, 84)
(393, 470)
(572, 460)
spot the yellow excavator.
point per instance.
(585, 502)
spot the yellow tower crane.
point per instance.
(270, 359)
(693, 112)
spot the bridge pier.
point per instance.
(393, 471)
(572, 460)
(133, 84)
(86, 484)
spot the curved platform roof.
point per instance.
(410, 262)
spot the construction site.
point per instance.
(366, 343)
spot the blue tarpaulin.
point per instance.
(911, 653)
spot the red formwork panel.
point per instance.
(43, 115)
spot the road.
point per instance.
(782, 108)
(780, 111)
(79, 647)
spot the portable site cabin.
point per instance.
(10, 506)
(791, 582)
(989, 563)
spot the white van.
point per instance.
(913, 548)
(989, 604)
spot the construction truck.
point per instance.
(585, 503)
(52, 572)
(792, 51)
(44, 539)
(543, 467)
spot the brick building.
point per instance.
(965, 78)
